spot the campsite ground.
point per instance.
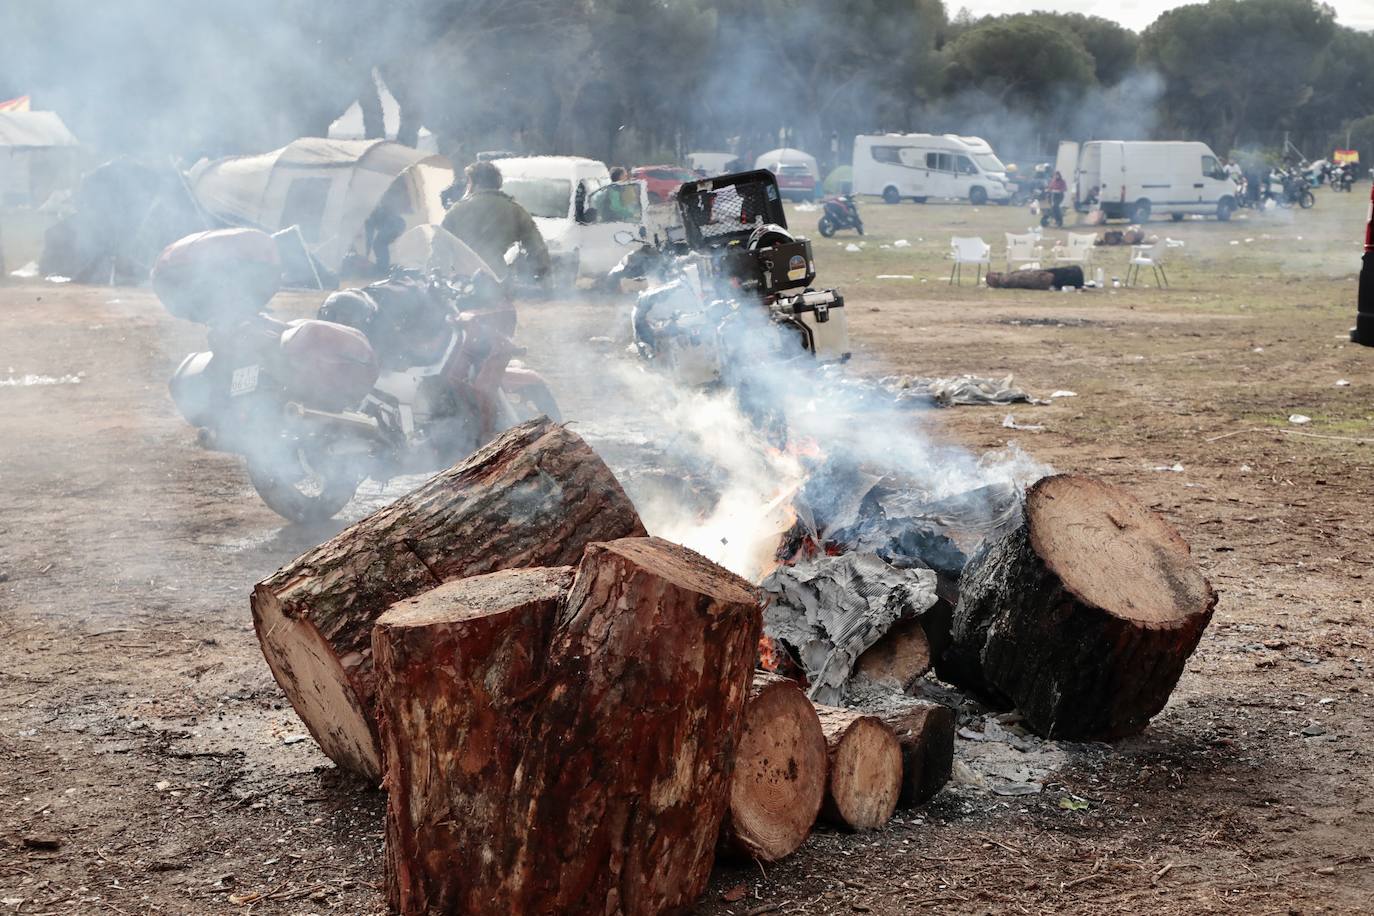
(150, 764)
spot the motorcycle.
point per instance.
(840, 213)
(1295, 190)
(1343, 180)
(404, 376)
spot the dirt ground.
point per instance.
(150, 764)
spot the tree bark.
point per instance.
(865, 773)
(1084, 616)
(925, 732)
(457, 668)
(779, 776)
(535, 496)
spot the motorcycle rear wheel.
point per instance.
(300, 484)
(1306, 200)
(826, 227)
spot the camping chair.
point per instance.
(973, 251)
(1023, 250)
(1076, 249)
(1145, 256)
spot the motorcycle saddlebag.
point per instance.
(327, 366)
(218, 274)
(820, 313)
(787, 266)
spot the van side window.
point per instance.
(932, 160)
(1209, 166)
(943, 162)
(888, 154)
(911, 158)
(966, 166)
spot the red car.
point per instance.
(796, 182)
(662, 180)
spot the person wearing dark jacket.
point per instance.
(1058, 187)
(489, 221)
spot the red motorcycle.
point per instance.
(405, 376)
(840, 212)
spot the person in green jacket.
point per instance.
(489, 221)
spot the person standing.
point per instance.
(1058, 187)
(489, 221)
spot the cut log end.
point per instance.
(898, 658)
(865, 778)
(313, 676)
(779, 777)
(1114, 553)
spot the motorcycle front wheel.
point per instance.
(1306, 200)
(826, 227)
(301, 483)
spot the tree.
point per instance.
(1112, 46)
(1234, 67)
(1024, 62)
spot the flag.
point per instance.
(1342, 156)
(19, 104)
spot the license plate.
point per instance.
(244, 381)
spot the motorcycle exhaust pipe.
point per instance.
(356, 422)
(1363, 332)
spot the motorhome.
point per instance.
(577, 209)
(1135, 179)
(921, 166)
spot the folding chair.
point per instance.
(1145, 256)
(973, 251)
(1076, 249)
(1023, 250)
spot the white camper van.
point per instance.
(921, 166)
(577, 209)
(1132, 179)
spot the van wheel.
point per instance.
(891, 195)
(1176, 217)
(1140, 211)
(1225, 207)
(978, 196)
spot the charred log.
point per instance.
(925, 732)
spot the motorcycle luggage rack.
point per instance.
(719, 211)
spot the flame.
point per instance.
(774, 658)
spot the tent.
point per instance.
(773, 160)
(349, 125)
(327, 187)
(38, 155)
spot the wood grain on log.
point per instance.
(779, 775)
(865, 774)
(925, 732)
(458, 671)
(898, 658)
(1084, 617)
(535, 496)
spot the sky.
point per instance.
(1137, 14)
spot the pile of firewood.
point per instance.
(560, 708)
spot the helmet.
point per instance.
(769, 235)
(351, 307)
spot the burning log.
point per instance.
(535, 496)
(1085, 615)
(925, 732)
(583, 757)
(458, 673)
(779, 777)
(865, 776)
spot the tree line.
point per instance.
(636, 80)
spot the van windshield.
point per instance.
(988, 162)
(549, 197)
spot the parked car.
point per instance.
(662, 181)
(578, 211)
(796, 182)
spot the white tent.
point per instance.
(38, 155)
(773, 160)
(349, 125)
(327, 187)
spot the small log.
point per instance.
(534, 496)
(779, 777)
(925, 732)
(1084, 616)
(456, 671)
(865, 774)
(898, 658)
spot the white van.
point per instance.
(1132, 179)
(577, 209)
(921, 166)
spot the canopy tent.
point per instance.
(38, 155)
(775, 159)
(328, 188)
(349, 125)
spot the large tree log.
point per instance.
(925, 732)
(595, 786)
(458, 670)
(1083, 617)
(865, 774)
(535, 496)
(899, 657)
(779, 777)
